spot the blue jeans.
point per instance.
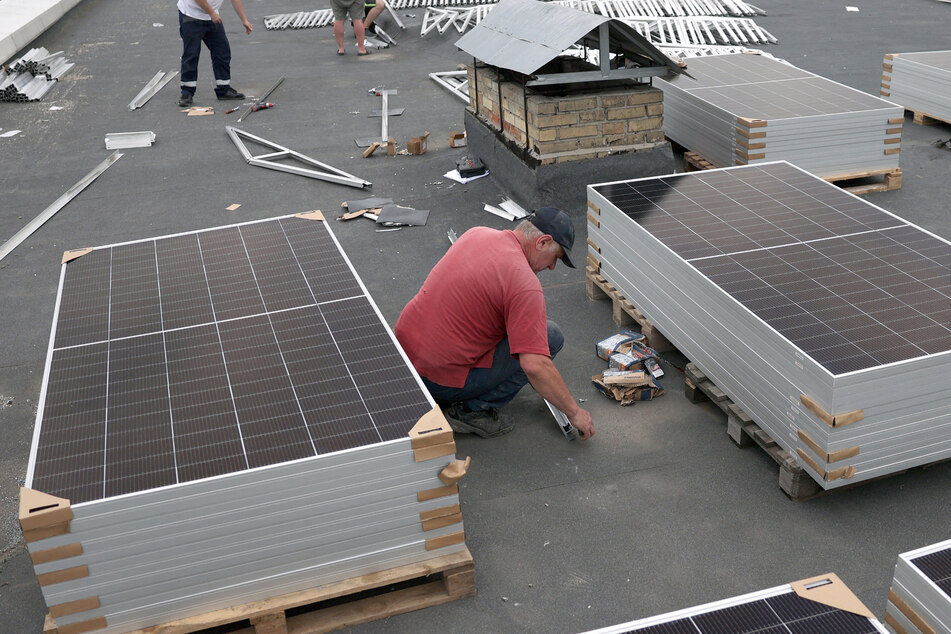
(495, 386)
(193, 33)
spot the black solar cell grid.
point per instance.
(937, 567)
(207, 353)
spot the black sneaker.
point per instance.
(186, 100)
(230, 95)
(487, 424)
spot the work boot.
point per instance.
(186, 100)
(486, 423)
(230, 95)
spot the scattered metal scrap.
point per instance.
(60, 202)
(30, 77)
(269, 161)
(313, 19)
(155, 84)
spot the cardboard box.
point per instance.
(419, 144)
(621, 342)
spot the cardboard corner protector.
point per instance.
(41, 510)
(594, 208)
(908, 613)
(311, 215)
(829, 590)
(69, 256)
(839, 420)
(454, 471)
(445, 540)
(74, 607)
(431, 429)
(438, 492)
(97, 623)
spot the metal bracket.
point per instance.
(455, 81)
(269, 161)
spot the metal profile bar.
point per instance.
(261, 99)
(150, 89)
(60, 202)
(324, 171)
(459, 89)
(395, 17)
(122, 140)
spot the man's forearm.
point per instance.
(547, 381)
(238, 6)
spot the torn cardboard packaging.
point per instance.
(627, 387)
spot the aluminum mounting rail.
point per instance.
(150, 89)
(269, 161)
(455, 81)
(60, 202)
(674, 8)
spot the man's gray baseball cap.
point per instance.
(557, 224)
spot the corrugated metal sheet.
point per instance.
(524, 35)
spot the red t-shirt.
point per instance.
(481, 291)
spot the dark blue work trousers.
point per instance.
(194, 32)
(495, 386)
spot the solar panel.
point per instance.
(920, 596)
(920, 82)
(851, 285)
(775, 611)
(201, 354)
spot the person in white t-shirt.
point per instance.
(199, 21)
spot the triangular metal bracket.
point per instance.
(323, 172)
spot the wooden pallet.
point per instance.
(891, 177)
(793, 479)
(624, 312)
(339, 605)
(922, 118)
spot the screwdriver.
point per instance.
(262, 106)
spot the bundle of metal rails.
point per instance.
(31, 77)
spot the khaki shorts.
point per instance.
(343, 7)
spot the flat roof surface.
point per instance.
(659, 511)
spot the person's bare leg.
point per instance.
(374, 13)
(359, 31)
(338, 35)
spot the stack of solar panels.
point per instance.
(820, 604)
(744, 109)
(919, 601)
(226, 417)
(826, 318)
(920, 82)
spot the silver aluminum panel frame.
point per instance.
(327, 173)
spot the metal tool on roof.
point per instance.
(261, 99)
(58, 204)
(270, 161)
(569, 430)
(158, 81)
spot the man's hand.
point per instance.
(215, 17)
(247, 27)
(583, 423)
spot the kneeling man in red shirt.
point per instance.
(477, 331)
